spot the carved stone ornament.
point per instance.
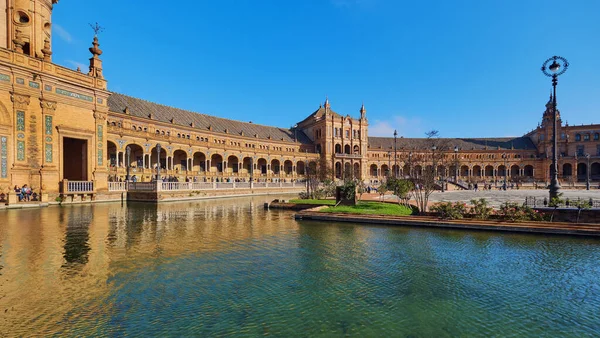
(100, 116)
(20, 101)
(48, 106)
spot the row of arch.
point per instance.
(566, 170)
(200, 162)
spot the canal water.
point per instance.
(228, 267)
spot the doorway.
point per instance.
(74, 157)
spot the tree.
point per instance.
(401, 188)
(315, 175)
(427, 183)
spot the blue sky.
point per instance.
(465, 68)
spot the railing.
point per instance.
(78, 186)
(224, 185)
(117, 186)
(167, 186)
(242, 185)
(567, 202)
(348, 155)
(202, 186)
(142, 186)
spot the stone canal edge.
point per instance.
(466, 224)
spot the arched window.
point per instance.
(577, 137)
(596, 136)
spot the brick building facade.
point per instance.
(60, 124)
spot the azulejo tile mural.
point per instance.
(3, 157)
(20, 150)
(48, 125)
(20, 121)
(48, 152)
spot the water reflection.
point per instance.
(76, 235)
(229, 267)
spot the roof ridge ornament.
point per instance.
(95, 62)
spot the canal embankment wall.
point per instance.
(564, 228)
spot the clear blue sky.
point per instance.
(465, 68)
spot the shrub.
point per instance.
(513, 212)
(449, 210)
(480, 208)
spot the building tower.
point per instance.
(27, 26)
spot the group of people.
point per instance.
(490, 186)
(24, 193)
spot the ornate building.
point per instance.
(59, 124)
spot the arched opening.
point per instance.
(385, 170)
(502, 171)
(581, 171)
(300, 168)
(261, 166)
(528, 171)
(275, 167)
(312, 168)
(464, 171)
(406, 170)
(232, 164)
(347, 149)
(595, 171)
(477, 171)
(338, 170)
(489, 171)
(112, 154)
(356, 150)
(199, 162)
(247, 165)
(418, 171)
(318, 148)
(395, 170)
(567, 170)
(373, 170)
(441, 171)
(136, 159)
(216, 163)
(347, 170)
(288, 167)
(338, 148)
(154, 159)
(179, 160)
(357, 171)
(514, 171)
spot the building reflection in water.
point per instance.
(76, 242)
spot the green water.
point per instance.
(230, 268)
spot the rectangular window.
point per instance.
(580, 151)
(598, 150)
(586, 137)
(347, 133)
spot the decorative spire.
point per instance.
(327, 105)
(363, 112)
(47, 51)
(95, 62)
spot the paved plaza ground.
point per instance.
(497, 197)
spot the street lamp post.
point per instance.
(158, 161)
(505, 157)
(395, 156)
(389, 163)
(456, 165)
(553, 70)
(128, 154)
(587, 179)
(434, 169)
(410, 164)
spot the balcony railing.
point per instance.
(117, 186)
(70, 187)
